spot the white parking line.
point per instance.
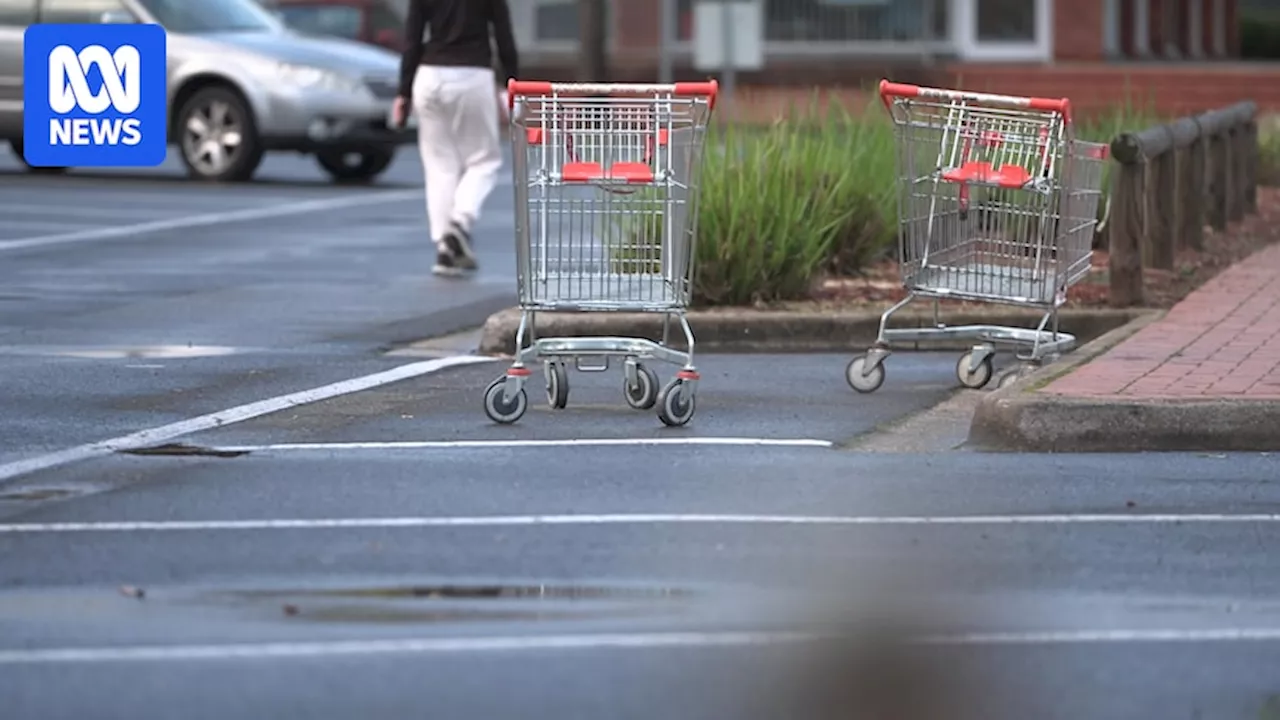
(591, 641)
(485, 444)
(207, 219)
(91, 212)
(374, 523)
(12, 224)
(230, 416)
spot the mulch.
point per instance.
(880, 285)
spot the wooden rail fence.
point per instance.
(1171, 181)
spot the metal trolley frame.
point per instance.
(606, 181)
(997, 203)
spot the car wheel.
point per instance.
(16, 144)
(217, 136)
(355, 167)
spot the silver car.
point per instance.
(240, 84)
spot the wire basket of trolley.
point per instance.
(997, 203)
(606, 189)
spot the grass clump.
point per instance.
(814, 195)
(781, 204)
(1269, 151)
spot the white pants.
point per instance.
(459, 143)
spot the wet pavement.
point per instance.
(383, 550)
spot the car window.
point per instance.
(382, 18)
(211, 16)
(338, 20)
(77, 11)
(18, 13)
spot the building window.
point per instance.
(839, 21)
(556, 20)
(1006, 20)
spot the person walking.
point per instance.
(448, 83)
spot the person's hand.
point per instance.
(504, 114)
(400, 111)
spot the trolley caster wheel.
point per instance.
(1008, 379)
(863, 383)
(676, 403)
(1015, 375)
(557, 385)
(501, 410)
(642, 395)
(978, 378)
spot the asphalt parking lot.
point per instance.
(327, 530)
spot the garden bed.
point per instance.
(880, 284)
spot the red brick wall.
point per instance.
(1077, 29)
(1081, 73)
(1173, 89)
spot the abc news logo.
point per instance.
(69, 91)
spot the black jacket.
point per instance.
(459, 37)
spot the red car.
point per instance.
(376, 22)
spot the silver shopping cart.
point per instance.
(997, 203)
(606, 179)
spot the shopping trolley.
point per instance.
(997, 203)
(606, 179)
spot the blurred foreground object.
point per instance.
(875, 666)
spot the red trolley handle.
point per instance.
(527, 88)
(891, 90)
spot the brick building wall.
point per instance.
(1078, 32)
(1176, 74)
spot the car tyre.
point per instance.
(217, 136)
(359, 166)
(16, 145)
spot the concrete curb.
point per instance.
(1018, 418)
(752, 331)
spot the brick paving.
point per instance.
(1221, 341)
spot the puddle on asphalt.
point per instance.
(152, 352)
(448, 603)
(184, 450)
(41, 493)
(490, 592)
(398, 615)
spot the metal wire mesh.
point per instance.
(606, 192)
(995, 204)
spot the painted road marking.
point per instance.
(621, 519)
(231, 416)
(86, 212)
(207, 219)
(597, 641)
(11, 224)
(580, 442)
(118, 353)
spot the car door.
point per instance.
(15, 16)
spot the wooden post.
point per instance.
(1161, 237)
(1249, 154)
(593, 41)
(1125, 241)
(1191, 197)
(1218, 175)
(1235, 174)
